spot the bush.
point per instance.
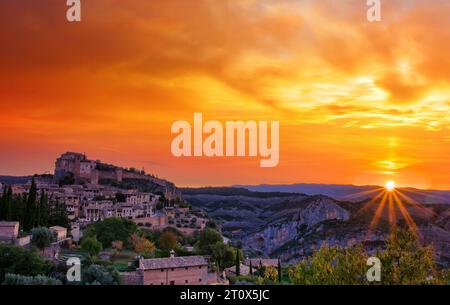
(168, 240)
(16, 279)
(405, 262)
(42, 237)
(112, 229)
(208, 238)
(91, 245)
(18, 260)
(100, 275)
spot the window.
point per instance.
(199, 280)
(199, 267)
(172, 269)
(172, 282)
(162, 270)
(186, 281)
(186, 268)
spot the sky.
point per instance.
(358, 102)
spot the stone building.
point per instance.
(185, 270)
(81, 169)
(9, 230)
(60, 232)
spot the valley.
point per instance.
(290, 225)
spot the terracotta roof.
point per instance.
(244, 270)
(9, 223)
(264, 261)
(58, 228)
(173, 262)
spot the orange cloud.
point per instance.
(341, 87)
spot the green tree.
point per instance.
(223, 255)
(112, 229)
(403, 262)
(6, 207)
(58, 215)
(30, 208)
(42, 237)
(280, 276)
(96, 274)
(207, 239)
(406, 262)
(251, 268)
(18, 260)
(3, 204)
(238, 263)
(91, 245)
(331, 266)
(42, 215)
(168, 240)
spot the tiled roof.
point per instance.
(173, 262)
(264, 261)
(58, 228)
(9, 223)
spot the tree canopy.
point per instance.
(112, 229)
(42, 237)
(17, 260)
(404, 261)
(91, 245)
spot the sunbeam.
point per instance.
(359, 194)
(409, 221)
(392, 212)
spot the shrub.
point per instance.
(16, 279)
(100, 275)
(91, 245)
(42, 237)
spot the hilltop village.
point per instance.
(128, 226)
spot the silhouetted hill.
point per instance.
(14, 179)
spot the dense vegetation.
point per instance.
(112, 229)
(403, 262)
(232, 191)
(33, 209)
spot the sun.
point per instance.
(390, 186)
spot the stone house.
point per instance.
(184, 270)
(9, 230)
(60, 232)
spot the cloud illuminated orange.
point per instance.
(358, 102)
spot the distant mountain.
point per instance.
(290, 226)
(15, 179)
(352, 193)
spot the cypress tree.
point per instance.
(251, 268)
(46, 210)
(9, 205)
(30, 208)
(3, 205)
(238, 263)
(42, 215)
(279, 270)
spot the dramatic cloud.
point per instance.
(344, 89)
